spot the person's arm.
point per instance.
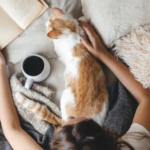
(16, 136)
(122, 72)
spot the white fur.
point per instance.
(100, 118)
(67, 98)
(134, 49)
(65, 43)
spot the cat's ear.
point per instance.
(57, 12)
(53, 34)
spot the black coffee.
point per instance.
(33, 65)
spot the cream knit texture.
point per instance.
(37, 93)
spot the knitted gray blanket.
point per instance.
(122, 107)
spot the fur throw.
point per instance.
(134, 50)
(38, 93)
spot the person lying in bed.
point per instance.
(82, 133)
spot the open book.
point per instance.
(16, 16)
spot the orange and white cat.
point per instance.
(85, 93)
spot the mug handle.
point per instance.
(28, 83)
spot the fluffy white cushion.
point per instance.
(115, 18)
(134, 49)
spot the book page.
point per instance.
(9, 30)
(23, 12)
(45, 6)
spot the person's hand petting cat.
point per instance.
(2, 60)
(96, 47)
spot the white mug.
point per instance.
(37, 78)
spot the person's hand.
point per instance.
(2, 60)
(96, 48)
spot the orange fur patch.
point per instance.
(48, 116)
(39, 109)
(31, 107)
(60, 25)
(44, 113)
(55, 120)
(89, 88)
(80, 51)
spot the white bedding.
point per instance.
(34, 40)
(115, 18)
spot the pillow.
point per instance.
(134, 50)
(34, 39)
(115, 18)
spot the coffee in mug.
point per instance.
(35, 68)
(33, 65)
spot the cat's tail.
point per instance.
(41, 111)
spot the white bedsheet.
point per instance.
(34, 40)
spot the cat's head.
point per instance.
(61, 23)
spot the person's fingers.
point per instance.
(86, 27)
(86, 43)
(85, 24)
(80, 21)
(89, 31)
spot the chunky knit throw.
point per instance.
(37, 93)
